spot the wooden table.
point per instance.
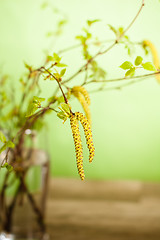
(103, 210)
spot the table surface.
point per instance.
(101, 210)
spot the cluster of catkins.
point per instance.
(82, 95)
(154, 56)
(74, 122)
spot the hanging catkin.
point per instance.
(88, 134)
(83, 97)
(78, 144)
(84, 92)
(154, 56)
(74, 122)
(84, 104)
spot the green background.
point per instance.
(126, 123)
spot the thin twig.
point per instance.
(59, 85)
(9, 213)
(79, 45)
(96, 43)
(66, 100)
(119, 87)
(132, 22)
(108, 49)
(122, 79)
(34, 206)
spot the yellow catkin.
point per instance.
(84, 105)
(154, 56)
(88, 134)
(78, 144)
(83, 91)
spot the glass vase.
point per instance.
(23, 194)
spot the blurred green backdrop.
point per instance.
(126, 123)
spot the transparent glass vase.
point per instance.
(23, 197)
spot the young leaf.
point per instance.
(138, 60)
(120, 29)
(4, 165)
(2, 137)
(90, 22)
(126, 37)
(3, 148)
(34, 105)
(31, 109)
(65, 107)
(61, 115)
(38, 100)
(50, 58)
(8, 144)
(112, 29)
(28, 66)
(7, 166)
(81, 38)
(50, 34)
(149, 66)
(61, 65)
(57, 76)
(60, 99)
(52, 99)
(44, 5)
(130, 72)
(126, 65)
(62, 72)
(62, 22)
(56, 58)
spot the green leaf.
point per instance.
(28, 66)
(60, 99)
(81, 38)
(112, 29)
(57, 76)
(3, 148)
(56, 58)
(7, 166)
(65, 107)
(62, 22)
(8, 144)
(121, 29)
(52, 99)
(61, 65)
(50, 58)
(4, 165)
(31, 109)
(50, 34)
(129, 50)
(138, 60)
(126, 37)
(89, 35)
(126, 65)
(130, 72)
(149, 66)
(38, 100)
(34, 105)
(44, 5)
(61, 115)
(62, 72)
(90, 22)
(2, 137)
